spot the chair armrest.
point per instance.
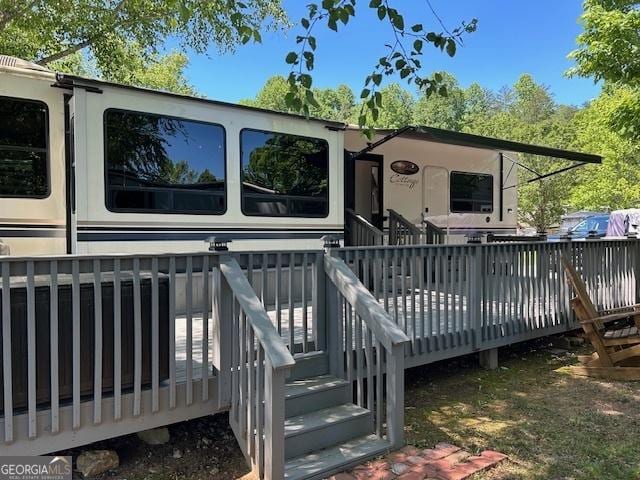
(608, 318)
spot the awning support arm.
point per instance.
(385, 139)
(547, 175)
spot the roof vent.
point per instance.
(14, 62)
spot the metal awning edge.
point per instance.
(477, 141)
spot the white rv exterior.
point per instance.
(428, 191)
(83, 223)
(92, 167)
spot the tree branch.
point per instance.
(85, 43)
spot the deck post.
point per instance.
(222, 314)
(274, 384)
(395, 396)
(475, 296)
(319, 303)
(489, 359)
(333, 314)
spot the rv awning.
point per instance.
(476, 141)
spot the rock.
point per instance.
(177, 453)
(399, 468)
(214, 471)
(95, 462)
(155, 436)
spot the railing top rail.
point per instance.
(366, 306)
(485, 245)
(144, 256)
(266, 334)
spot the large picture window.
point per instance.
(284, 175)
(471, 192)
(23, 148)
(160, 164)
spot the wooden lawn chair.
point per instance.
(615, 349)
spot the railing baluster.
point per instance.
(6, 352)
(117, 341)
(303, 270)
(31, 352)
(172, 332)
(137, 339)
(155, 341)
(206, 303)
(97, 344)
(54, 346)
(75, 328)
(189, 327)
(292, 339)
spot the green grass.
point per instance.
(551, 424)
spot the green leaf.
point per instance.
(398, 21)
(378, 97)
(312, 42)
(365, 93)
(417, 45)
(306, 80)
(332, 24)
(442, 91)
(405, 72)
(305, 23)
(382, 11)
(292, 57)
(417, 27)
(451, 47)
(377, 78)
(311, 99)
(400, 63)
(375, 3)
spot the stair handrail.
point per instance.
(401, 230)
(372, 326)
(364, 303)
(259, 362)
(434, 234)
(265, 332)
(371, 234)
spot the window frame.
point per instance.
(478, 174)
(161, 212)
(46, 150)
(242, 202)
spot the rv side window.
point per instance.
(284, 175)
(159, 164)
(23, 148)
(471, 192)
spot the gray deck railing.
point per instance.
(360, 232)
(94, 347)
(365, 343)
(259, 361)
(453, 300)
(99, 346)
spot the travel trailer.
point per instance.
(88, 166)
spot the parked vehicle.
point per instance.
(624, 222)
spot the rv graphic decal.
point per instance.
(403, 181)
(405, 167)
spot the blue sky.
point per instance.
(513, 37)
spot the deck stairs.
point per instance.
(325, 432)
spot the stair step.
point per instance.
(310, 394)
(324, 428)
(322, 463)
(310, 364)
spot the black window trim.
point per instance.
(451, 210)
(161, 212)
(253, 215)
(46, 150)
